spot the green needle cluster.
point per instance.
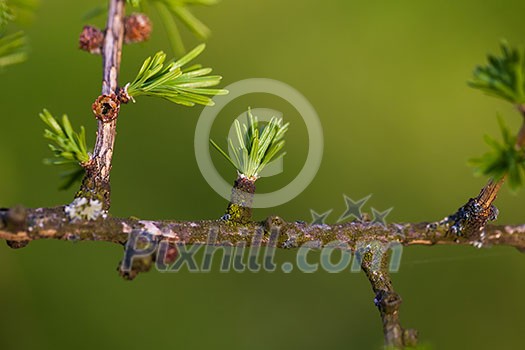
(68, 147)
(503, 76)
(172, 10)
(173, 82)
(255, 146)
(12, 49)
(504, 158)
(6, 15)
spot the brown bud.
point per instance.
(122, 94)
(137, 28)
(106, 107)
(91, 40)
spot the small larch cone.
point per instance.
(137, 28)
(91, 40)
(106, 107)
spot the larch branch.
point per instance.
(96, 183)
(54, 223)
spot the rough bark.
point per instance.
(96, 183)
(387, 301)
(19, 226)
(240, 207)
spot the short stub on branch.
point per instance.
(470, 219)
(142, 251)
(241, 203)
(15, 220)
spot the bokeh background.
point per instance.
(388, 81)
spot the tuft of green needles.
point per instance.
(504, 158)
(68, 147)
(255, 146)
(503, 76)
(174, 82)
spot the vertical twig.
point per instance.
(387, 301)
(96, 183)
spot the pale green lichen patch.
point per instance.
(84, 209)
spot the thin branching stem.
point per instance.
(96, 183)
(54, 223)
(388, 302)
(19, 226)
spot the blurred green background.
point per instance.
(388, 81)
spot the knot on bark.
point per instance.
(273, 222)
(471, 219)
(139, 255)
(91, 40)
(17, 244)
(387, 302)
(106, 108)
(142, 264)
(137, 28)
(15, 220)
